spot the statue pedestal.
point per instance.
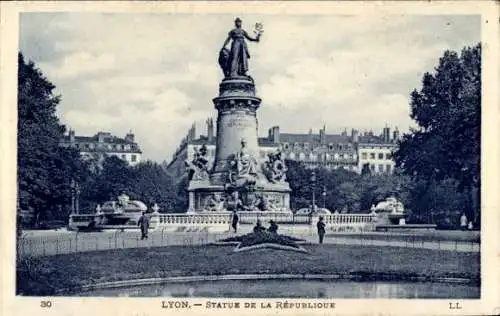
(237, 165)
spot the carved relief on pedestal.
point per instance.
(272, 202)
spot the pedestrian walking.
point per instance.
(463, 222)
(321, 229)
(234, 222)
(143, 223)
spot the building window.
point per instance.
(388, 168)
(380, 156)
(341, 156)
(302, 156)
(306, 145)
(296, 145)
(134, 158)
(312, 157)
(292, 155)
(351, 156)
(336, 156)
(327, 157)
(285, 146)
(127, 147)
(388, 156)
(381, 168)
(364, 155)
(330, 146)
(372, 155)
(372, 167)
(124, 157)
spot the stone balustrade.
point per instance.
(250, 218)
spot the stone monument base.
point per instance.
(205, 197)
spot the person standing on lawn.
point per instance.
(234, 222)
(321, 229)
(273, 227)
(463, 222)
(258, 228)
(143, 223)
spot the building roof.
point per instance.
(95, 139)
(263, 141)
(313, 138)
(82, 142)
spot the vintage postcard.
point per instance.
(296, 158)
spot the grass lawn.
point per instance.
(44, 276)
(453, 235)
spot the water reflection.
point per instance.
(296, 289)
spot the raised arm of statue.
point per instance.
(248, 37)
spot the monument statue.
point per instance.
(198, 167)
(234, 62)
(275, 168)
(237, 175)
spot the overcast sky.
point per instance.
(155, 74)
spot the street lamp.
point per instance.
(324, 196)
(75, 193)
(313, 182)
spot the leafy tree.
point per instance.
(447, 109)
(44, 169)
(113, 180)
(151, 184)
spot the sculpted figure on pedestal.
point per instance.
(275, 168)
(234, 62)
(233, 202)
(198, 167)
(214, 203)
(243, 167)
(255, 203)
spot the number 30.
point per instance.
(46, 304)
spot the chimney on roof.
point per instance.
(310, 136)
(396, 135)
(354, 136)
(210, 130)
(100, 137)
(129, 138)
(71, 135)
(386, 134)
(273, 134)
(191, 133)
(322, 135)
